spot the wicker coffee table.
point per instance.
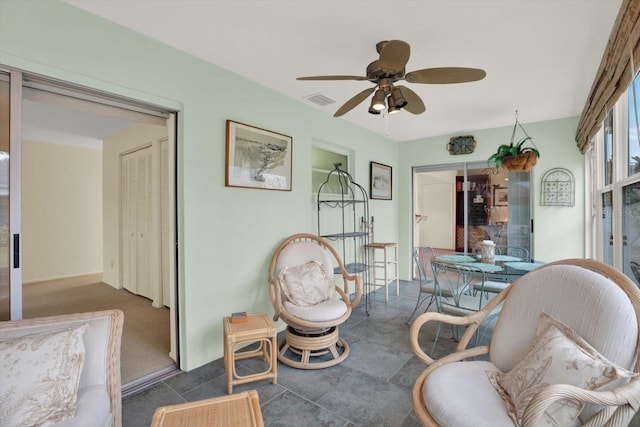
(258, 328)
(241, 409)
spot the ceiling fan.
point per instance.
(389, 69)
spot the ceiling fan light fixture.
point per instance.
(397, 98)
(377, 103)
(392, 108)
(390, 68)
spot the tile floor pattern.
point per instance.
(372, 387)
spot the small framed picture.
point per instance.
(257, 158)
(500, 196)
(380, 181)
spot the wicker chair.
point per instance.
(595, 301)
(312, 327)
(99, 400)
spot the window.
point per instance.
(608, 149)
(631, 228)
(618, 186)
(633, 164)
(607, 227)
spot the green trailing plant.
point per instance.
(512, 149)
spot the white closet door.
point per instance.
(143, 213)
(129, 220)
(137, 222)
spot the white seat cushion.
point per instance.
(325, 311)
(459, 394)
(93, 409)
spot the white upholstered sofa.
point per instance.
(61, 371)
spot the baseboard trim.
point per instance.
(81, 279)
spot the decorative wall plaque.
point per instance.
(461, 145)
(558, 188)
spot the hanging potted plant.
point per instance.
(515, 156)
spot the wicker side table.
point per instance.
(242, 409)
(258, 328)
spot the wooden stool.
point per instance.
(385, 264)
(257, 328)
(242, 409)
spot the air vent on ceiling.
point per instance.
(320, 99)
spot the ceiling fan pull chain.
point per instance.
(386, 123)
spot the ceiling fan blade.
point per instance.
(350, 104)
(445, 75)
(394, 55)
(414, 103)
(332, 78)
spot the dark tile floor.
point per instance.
(372, 387)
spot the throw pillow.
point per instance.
(558, 355)
(307, 284)
(39, 376)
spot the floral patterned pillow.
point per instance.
(39, 377)
(558, 355)
(307, 284)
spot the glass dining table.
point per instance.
(506, 268)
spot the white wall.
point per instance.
(61, 211)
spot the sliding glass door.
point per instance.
(10, 282)
(457, 206)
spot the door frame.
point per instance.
(18, 80)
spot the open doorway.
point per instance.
(79, 205)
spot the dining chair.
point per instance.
(505, 253)
(459, 291)
(635, 269)
(422, 256)
(513, 251)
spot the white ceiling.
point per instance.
(55, 123)
(540, 55)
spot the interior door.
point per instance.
(436, 227)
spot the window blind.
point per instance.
(617, 69)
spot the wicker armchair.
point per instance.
(303, 260)
(99, 400)
(594, 301)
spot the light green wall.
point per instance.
(558, 231)
(226, 235)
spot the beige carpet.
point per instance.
(145, 339)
